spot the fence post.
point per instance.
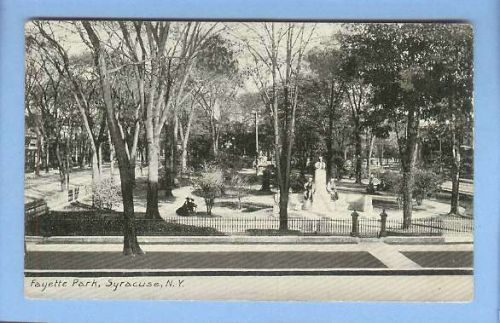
(355, 224)
(383, 223)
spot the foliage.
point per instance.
(253, 179)
(425, 184)
(297, 181)
(269, 178)
(210, 184)
(106, 194)
(233, 162)
(391, 182)
(239, 184)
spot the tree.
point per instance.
(162, 54)
(277, 50)
(326, 63)
(401, 68)
(217, 83)
(49, 107)
(453, 77)
(210, 183)
(357, 93)
(127, 178)
(53, 51)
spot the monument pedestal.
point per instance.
(363, 204)
(340, 204)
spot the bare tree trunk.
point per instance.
(408, 165)
(455, 169)
(95, 167)
(358, 152)
(175, 153)
(329, 137)
(369, 155)
(152, 211)
(407, 197)
(185, 140)
(62, 167)
(67, 153)
(130, 243)
(455, 186)
(112, 157)
(38, 153)
(215, 138)
(83, 154)
(381, 154)
(47, 156)
(76, 151)
(99, 156)
(169, 185)
(184, 159)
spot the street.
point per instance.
(365, 255)
(366, 271)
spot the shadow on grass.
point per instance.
(259, 192)
(246, 207)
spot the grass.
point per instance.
(245, 206)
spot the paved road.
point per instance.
(376, 256)
(202, 260)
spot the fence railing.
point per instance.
(366, 227)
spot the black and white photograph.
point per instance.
(249, 160)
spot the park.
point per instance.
(184, 129)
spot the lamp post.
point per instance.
(256, 143)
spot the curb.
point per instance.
(246, 240)
(195, 240)
(414, 240)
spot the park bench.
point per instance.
(35, 208)
(385, 198)
(73, 194)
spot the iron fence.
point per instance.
(46, 225)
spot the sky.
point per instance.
(68, 36)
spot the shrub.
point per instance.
(297, 181)
(253, 179)
(239, 184)
(210, 184)
(391, 182)
(425, 184)
(268, 178)
(107, 223)
(228, 161)
(106, 194)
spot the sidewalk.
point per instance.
(245, 239)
